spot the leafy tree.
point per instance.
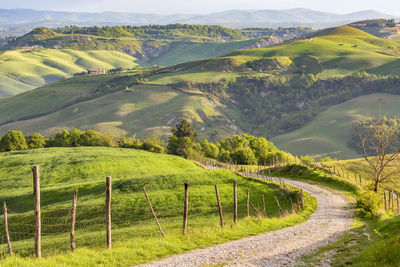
(244, 156)
(210, 150)
(130, 142)
(35, 141)
(74, 137)
(60, 140)
(91, 138)
(179, 146)
(184, 129)
(377, 138)
(182, 139)
(224, 155)
(13, 140)
(153, 144)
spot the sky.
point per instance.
(203, 6)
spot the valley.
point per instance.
(298, 82)
(235, 138)
(47, 55)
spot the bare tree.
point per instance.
(379, 138)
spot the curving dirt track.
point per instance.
(283, 247)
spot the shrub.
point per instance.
(92, 138)
(35, 141)
(244, 156)
(368, 203)
(224, 155)
(13, 140)
(307, 159)
(210, 150)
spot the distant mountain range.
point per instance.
(11, 18)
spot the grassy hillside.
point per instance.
(329, 132)
(265, 91)
(45, 55)
(142, 109)
(372, 241)
(361, 166)
(24, 70)
(135, 235)
(340, 51)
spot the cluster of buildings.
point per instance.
(96, 71)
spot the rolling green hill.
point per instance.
(144, 109)
(135, 235)
(265, 91)
(25, 69)
(46, 55)
(329, 132)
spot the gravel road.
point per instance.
(278, 248)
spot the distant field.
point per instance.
(361, 167)
(116, 104)
(328, 133)
(135, 235)
(396, 38)
(25, 70)
(145, 110)
(190, 51)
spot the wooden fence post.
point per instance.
(255, 209)
(10, 251)
(36, 198)
(221, 217)
(392, 193)
(397, 200)
(248, 203)
(263, 203)
(73, 220)
(152, 211)
(186, 208)
(108, 210)
(235, 208)
(385, 198)
(279, 206)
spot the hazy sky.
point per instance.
(203, 6)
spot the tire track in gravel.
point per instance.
(283, 247)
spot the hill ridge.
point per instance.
(342, 30)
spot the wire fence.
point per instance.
(90, 224)
(390, 197)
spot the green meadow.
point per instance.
(24, 70)
(329, 132)
(135, 235)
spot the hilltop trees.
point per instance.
(244, 149)
(182, 139)
(13, 140)
(248, 149)
(35, 141)
(210, 150)
(379, 138)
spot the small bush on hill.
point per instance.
(368, 203)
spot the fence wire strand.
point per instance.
(90, 226)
